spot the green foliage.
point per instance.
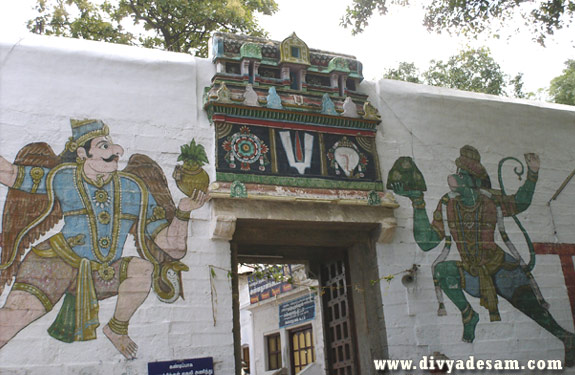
(470, 70)
(407, 72)
(359, 13)
(266, 272)
(172, 25)
(387, 278)
(276, 273)
(517, 83)
(78, 19)
(193, 154)
(562, 89)
(472, 17)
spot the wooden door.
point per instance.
(338, 319)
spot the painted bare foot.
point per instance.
(123, 343)
(469, 322)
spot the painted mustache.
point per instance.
(111, 158)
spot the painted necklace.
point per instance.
(101, 198)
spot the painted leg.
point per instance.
(447, 274)
(21, 308)
(131, 294)
(525, 300)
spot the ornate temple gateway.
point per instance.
(290, 122)
(296, 138)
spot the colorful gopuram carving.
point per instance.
(290, 116)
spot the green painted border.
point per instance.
(299, 182)
(294, 117)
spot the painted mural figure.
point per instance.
(84, 262)
(469, 215)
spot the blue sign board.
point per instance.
(196, 366)
(297, 311)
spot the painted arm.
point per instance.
(425, 236)
(174, 237)
(524, 194)
(8, 172)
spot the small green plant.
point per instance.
(193, 155)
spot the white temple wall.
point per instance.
(152, 101)
(430, 125)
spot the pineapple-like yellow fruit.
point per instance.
(191, 176)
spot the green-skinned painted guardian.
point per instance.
(468, 215)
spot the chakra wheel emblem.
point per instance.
(247, 149)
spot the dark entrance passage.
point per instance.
(336, 254)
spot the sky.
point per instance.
(400, 36)
(388, 40)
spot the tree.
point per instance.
(173, 25)
(470, 70)
(517, 83)
(405, 72)
(472, 17)
(562, 89)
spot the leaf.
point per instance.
(172, 25)
(471, 70)
(193, 154)
(562, 88)
(388, 278)
(472, 17)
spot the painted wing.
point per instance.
(21, 208)
(167, 277)
(153, 176)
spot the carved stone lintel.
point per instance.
(387, 232)
(223, 227)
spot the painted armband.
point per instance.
(156, 219)
(31, 179)
(418, 202)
